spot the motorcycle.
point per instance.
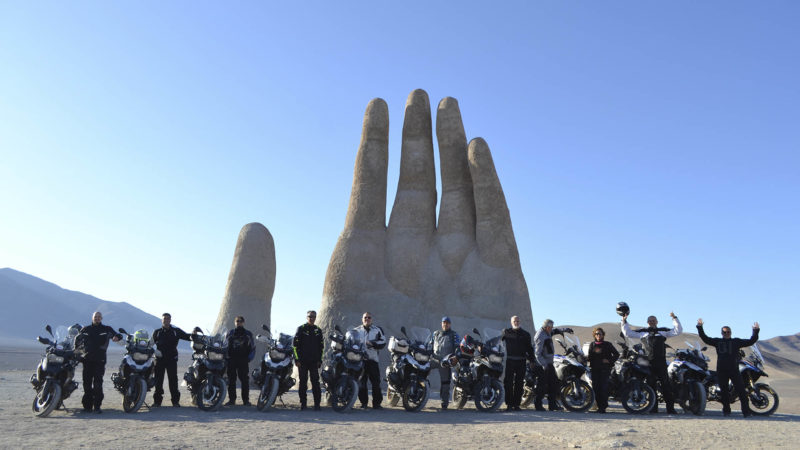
(627, 382)
(340, 376)
(576, 394)
(205, 378)
(407, 375)
(53, 379)
(763, 399)
(136, 371)
(274, 377)
(479, 366)
(687, 372)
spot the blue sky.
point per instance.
(649, 151)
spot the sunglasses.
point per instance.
(239, 321)
(368, 317)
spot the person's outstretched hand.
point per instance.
(415, 270)
(700, 322)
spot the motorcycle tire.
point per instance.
(212, 393)
(577, 396)
(392, 397)
(344, 394)
(527, 397)
(489, 397)
(46, 399)
(763, 400)
(696, 399)
(134, 395)
(268, 394)
(414, 403)
(638, 402)
(459, 398)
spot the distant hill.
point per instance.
(29, 303)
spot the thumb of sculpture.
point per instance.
(251, 281)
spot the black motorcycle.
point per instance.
(763, 399)
(53, 379)
(205, 378)
(687, 372)
(274, 377)
(407, 375)
(479, 366)
(627, 382)
(340, 376)
(136, 371)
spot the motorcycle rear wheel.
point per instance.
(344, 394)
(459, 398)
(763, 400)
(577, 396)
(638, 401)
(212, 393)
(696, 397)
(46, 399)
(489, 397)
(413, 403)
(269, 391)
(134, 395)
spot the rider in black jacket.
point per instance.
(308, 347)
(518, 349)
(93, 340)
(166, 339)
(728, 364)
(241, 348)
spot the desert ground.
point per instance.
(287, 426)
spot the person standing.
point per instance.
(93, 339)
(728, 364)
(374, 339)
(518, 350)
(166, 339)
(544, 351)
(445, 342)
(241, 349)
(602, 356)
(308, 347)
(654, 342)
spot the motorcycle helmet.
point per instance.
(467, 345)
(623, 309)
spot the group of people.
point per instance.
(520, 349)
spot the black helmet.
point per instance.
(623, 309)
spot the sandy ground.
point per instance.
(287, 426)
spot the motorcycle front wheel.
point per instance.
(269, 391)
(212, 393)
(763, 400)
(577, 396)
(46, 399)
(134, 395)
(459, 398)
(696, 397)
(392, 397)
(344, 394)
(489, 396)
(638, 399)
(415, 399)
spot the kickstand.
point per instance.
(146, 405)
(281, 399)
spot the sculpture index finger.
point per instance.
(367, 208)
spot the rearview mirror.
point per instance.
(265, 328)
(403, 330)
(336, 327)
(475, 330)
(49, 330)
(122, 330)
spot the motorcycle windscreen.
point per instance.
(492, 339)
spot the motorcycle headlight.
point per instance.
(53, 358)
(140, 357)
(275, 355)
(495, 359)
(215, 356)
(642, 361)
(421, 357)
(353, 356)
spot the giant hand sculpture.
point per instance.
(413, 272)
